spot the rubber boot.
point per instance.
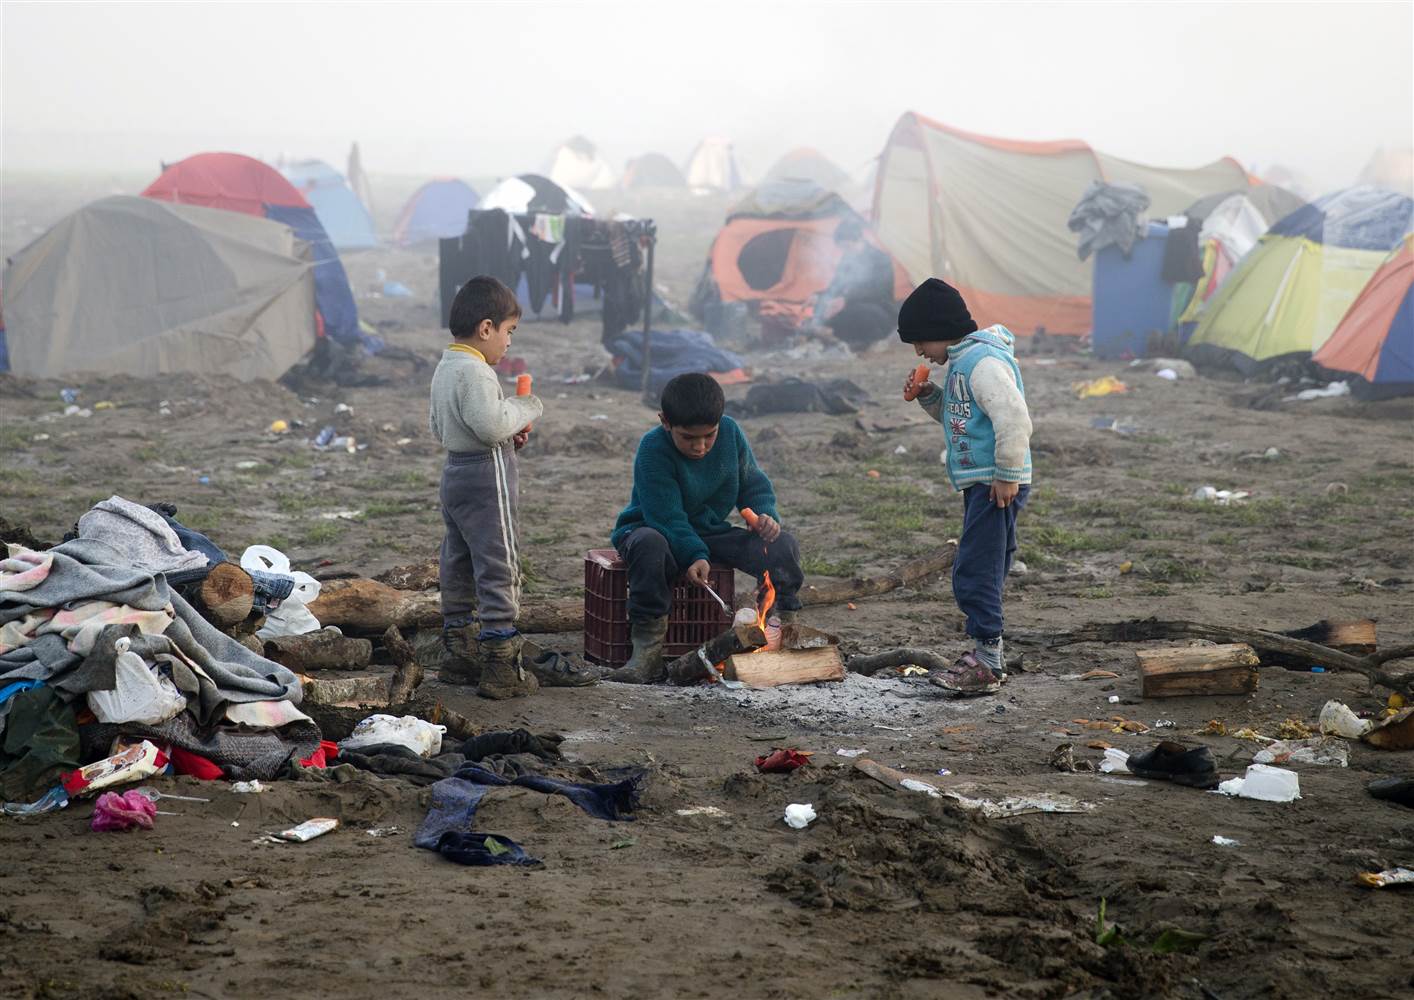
(646, 665)
(463, 663)
(788, 617)
(502, 673)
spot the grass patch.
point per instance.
(1096, 593)
(294, 503)
(324, 532)
(821, 566)
(1166, 569)
(13, 439)
(1303, 561)
(147, 454)
(204, 521)
(552, 534)
(390, 508)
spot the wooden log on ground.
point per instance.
(911, 572)
(413, 576)
(337, 705)
(369, 607)
(1265, 643)
(774, 667)
(697, 665)
(1359, 638)
(322, 649)
(226, 596)
(343, 691)
(408, 673)
(870, 664)
(1171, 672)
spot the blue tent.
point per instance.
(343, 216)
(436, 211)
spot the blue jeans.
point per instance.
(984, 554)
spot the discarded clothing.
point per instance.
(1108, 213)
(396, 760)
(192, 540)
(447, 828)
(41, 742)
(546, 747)
(613, 801)
(672, 353)
(1183, 259)
(781, 761)
(141, 535)
(483, 849)
(793, 395)
(214, 667)
(241, 753)
(269, 590)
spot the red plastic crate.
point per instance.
(694, 619)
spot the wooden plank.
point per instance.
(772, 668)
(895, 778)
(1198, 670)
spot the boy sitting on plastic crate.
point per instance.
(688, 476)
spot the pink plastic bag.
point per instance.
(122, 812)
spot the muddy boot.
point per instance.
(463, 662)
(787, 617)
(502, 673)
(646, 665)
(554, 669)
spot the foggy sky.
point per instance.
(485, 89)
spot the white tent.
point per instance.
(577, 164)
(713, 167)
(135, 286)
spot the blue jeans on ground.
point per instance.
(984, 555)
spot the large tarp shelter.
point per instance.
(436, 211)
(576, 163)
(1286, 297)
(239, 183)
(713, 167)
(778, 246)
(132, 286)
(652, 170)
(535, 194)
(343, 216)
(1375, 339)
(804, 163)
(989, 216)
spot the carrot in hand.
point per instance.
(750, 517)
(523, 389)
(916, 381)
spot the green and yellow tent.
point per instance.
(1288, 294)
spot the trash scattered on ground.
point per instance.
(914, 785)
(1336, 719)
(1267, 784)
(1021, 805)
(279, 427)
(1220, 497)
(306, 831)
(343, 408)
(249, 788)
(619, 845)
(156, 796)
(1225, 841)
(1248, 733)
(341, 515)
(133, 763)
(1294, 729)
(1167, 374)
(1115, 760)
(384, 831)
(1114, 424)
(712, 811)
(1387, 878)
(901, 450)
(421, 737)
(1063, 759)
(54, 799)
(799, 815)
(69, 395)
(1114, 699)
(1104, 386)
(114, 811)
(247, 464)
(1394, 733)
(1327, 392)
(1165, 724)
(1170, 761)
(1398, 790)
(783, 760)
(842, 752)
(1327, 750)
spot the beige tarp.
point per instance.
(989, 216)
(139, 287)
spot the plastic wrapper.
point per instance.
(307, 830)
(133, 763)
(417, 735)
(114, 811)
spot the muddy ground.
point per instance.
(887, 894)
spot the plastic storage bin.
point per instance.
(1131, 300)
(695, 617)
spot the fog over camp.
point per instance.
(779, 499)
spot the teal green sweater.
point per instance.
(686, 499)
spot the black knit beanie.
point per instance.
(934, 311)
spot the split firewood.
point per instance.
(226, 595)
(699, 664)
(323, 649)
(409, 672)
(766, 668)
(1190, 670)
(869, 664)
(1267, 645)
(369, 607)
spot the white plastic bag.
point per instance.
(140, 695)
(418, 735)
(292, 617)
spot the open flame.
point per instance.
(765, 604)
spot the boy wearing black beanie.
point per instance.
(982, 406)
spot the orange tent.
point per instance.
(1375, 339)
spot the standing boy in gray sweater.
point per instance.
(482, 431)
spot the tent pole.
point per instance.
(650, 230)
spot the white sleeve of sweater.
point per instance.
(488, 414)
(995, 390)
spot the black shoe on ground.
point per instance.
(1192, 766)
(1399, 790)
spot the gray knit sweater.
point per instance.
(468, 411)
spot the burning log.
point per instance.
(699, 664)
(774, 667)
(870, 664)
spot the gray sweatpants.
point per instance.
(479, 569)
